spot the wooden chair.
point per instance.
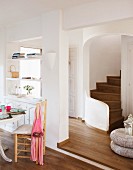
(22, 136)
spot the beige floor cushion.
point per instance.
(119, 137)
(126, 152)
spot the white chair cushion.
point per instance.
(23, 129)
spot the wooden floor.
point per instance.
(52, 161)
(95, 146)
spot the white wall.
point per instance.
(10, 49)
(50, 43)
(105, 58)
(53, 89)
(55, 81)
(96, 114)
(63, 86)
(86, 68)
(123, 27)
(96, 12)
(28, 29)
(2, 63)
(34, 43)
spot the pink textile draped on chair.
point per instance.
(37, 137)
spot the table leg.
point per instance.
(3, 154)
(4, 146)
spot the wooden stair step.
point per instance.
(115, 77)
(109, 88)
(113, 120)
(105, 96)
(116, 123)
(114, 114)
(110, 93)
(113, 104)
(113, 80)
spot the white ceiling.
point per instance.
(16, 10)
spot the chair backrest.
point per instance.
(43, 105)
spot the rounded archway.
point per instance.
(102, 57)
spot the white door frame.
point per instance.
(129, 96)
(127, 42)
(74, 114)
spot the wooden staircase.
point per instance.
(110, 93)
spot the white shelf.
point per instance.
(30, 58)
(20, 79)
(24, 99)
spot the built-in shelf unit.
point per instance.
(28, 68)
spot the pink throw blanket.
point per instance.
(37, 137)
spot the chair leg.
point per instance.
(44, 143)
(37, 149)
(25, 144)
(15, 146)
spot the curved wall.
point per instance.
(105, 58)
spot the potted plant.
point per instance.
(29, 89)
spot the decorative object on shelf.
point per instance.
(15, 111)
(128, 124)
(26, 77)
(0, 111)
(29, 89)
(8, 108)
(15, 74)
(51, 56)
(3, 108)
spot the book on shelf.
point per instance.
(18, 55)
(32, 55)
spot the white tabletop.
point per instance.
(3, 121)
(10, 120)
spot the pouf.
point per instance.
(126, 152)
(119, 137)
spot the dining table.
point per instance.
(11, 119)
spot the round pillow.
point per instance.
(119, 137)
(126, 152)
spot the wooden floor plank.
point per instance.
(93, 145)
(52, 161)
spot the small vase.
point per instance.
(29, 93)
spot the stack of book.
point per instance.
(18, 55)
(32, 55)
